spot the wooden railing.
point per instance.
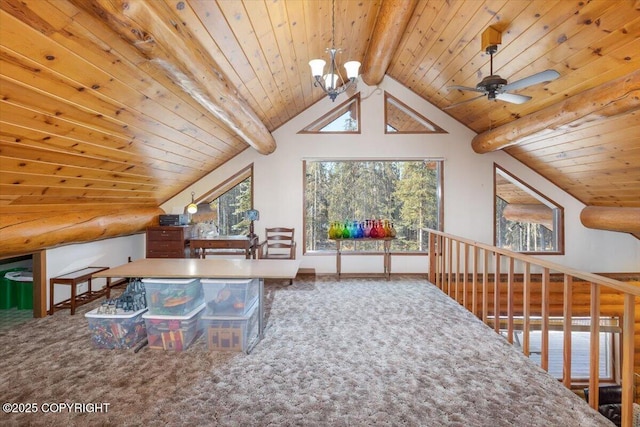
(472, 272)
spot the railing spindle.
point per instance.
(457, 270)
(474, 285)
(594, 346)
(510, 301)
(449, 265)
(544, 357)
(526, 309)
(628, 348)
(485, 286)
(496, 293)
(567, 322)
(465, 272)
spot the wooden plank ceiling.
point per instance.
(111, 105)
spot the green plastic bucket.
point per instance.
(8, 290)
(23, 282)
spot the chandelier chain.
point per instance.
(333, 23)
(332, 83)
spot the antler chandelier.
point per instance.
(332, 83)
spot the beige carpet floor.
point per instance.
(360, 352)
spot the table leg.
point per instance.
(261, 308)
(51, 287)
(387, 259)
(338, 259)
(108, 294)
(73, 298)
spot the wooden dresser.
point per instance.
(168, 242)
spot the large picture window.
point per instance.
(406, 192)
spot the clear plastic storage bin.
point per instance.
(231, 333)
(120, 330)
(175, 333)
(229, 297)
(175, 297)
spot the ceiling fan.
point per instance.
(494, 86)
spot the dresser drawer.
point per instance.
(168, 242)
(151, 253)
(165, 235)
(165, 245)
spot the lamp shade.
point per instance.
(330, 81)
(352, 68)
(317, 67)
(253, 215)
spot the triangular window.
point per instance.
(345, 118)
(400, 118)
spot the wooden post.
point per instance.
(432, 258)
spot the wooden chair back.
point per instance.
(279, 243)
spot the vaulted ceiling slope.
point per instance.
(111, 107)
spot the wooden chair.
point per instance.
(279, 243)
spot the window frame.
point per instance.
(533, 192)
(316, 126)
(432, 128)
(324, 252)
(225, 186)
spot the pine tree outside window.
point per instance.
(406, 192)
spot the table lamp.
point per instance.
(252, 215)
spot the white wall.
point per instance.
(468, 184)
(107, 253)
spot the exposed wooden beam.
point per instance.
(537, 214)
(390, 25)
(153, 29)
(613, 219)
(616, 97)
(27, 232)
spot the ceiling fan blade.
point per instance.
(472, 89)
(512, 98)
(462, 102)
(544, 76)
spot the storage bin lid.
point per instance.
(173, 317)
(170, 281)
(246, 316)
(226, 281)
(121, 314)
(20, 276)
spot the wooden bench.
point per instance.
(73, 279)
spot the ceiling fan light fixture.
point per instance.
(332, 82)
(497, 88)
